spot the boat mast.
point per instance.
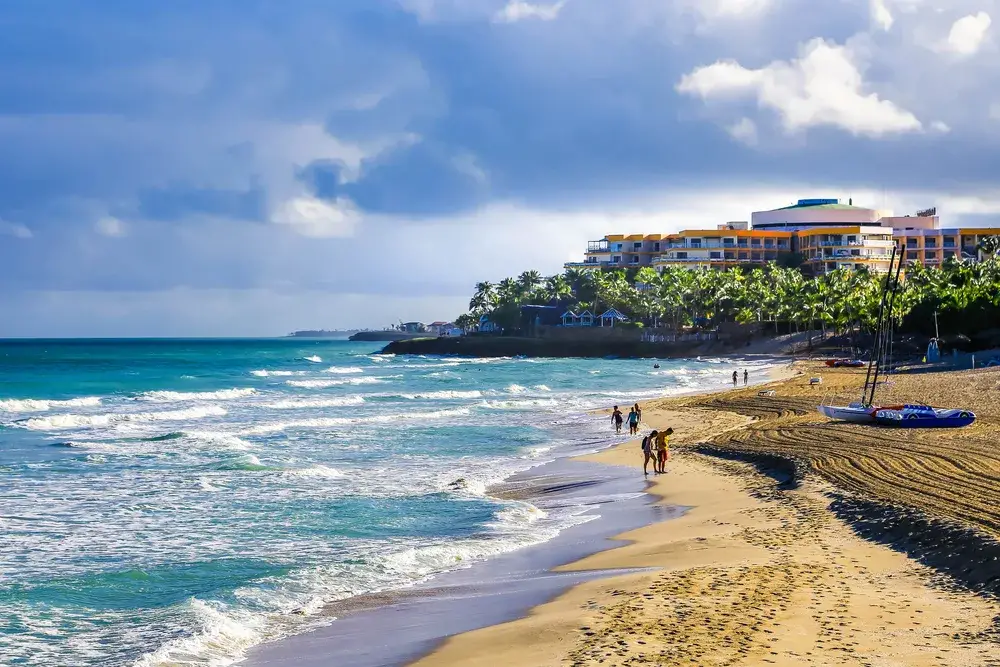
(875, 356)
(891, 287)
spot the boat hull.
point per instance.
(855, 413)
(912, 416)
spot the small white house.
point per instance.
(586, 319)
(570, 319)
(487, 326)
(611, 316)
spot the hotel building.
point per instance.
(826, 233)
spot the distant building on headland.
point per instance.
(826, 234)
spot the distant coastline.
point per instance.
(323, 333)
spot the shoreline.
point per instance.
(547, 578)
(852, 590)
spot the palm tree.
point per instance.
(557, 288)
(528, 281)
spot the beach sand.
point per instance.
(861, 546)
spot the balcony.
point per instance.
(598, 246)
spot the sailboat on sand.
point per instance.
(863, 411)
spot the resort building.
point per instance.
(826, 234)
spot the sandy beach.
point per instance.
(806, 541)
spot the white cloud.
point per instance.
(940, 126)
(15, 229)
(728, 9)
(318, 218)
(518, 10)
(823, 86)
(968, 33)
(744, 131)
(110, 226)
(881, 16)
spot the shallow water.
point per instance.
(178, 502)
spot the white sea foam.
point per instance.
(316, 471)
(330, 422)
(314, 358)
(542, 387)
(520, 404)
(326, 384)
(70, 421)
(41, 405)
(177, 396)
(263, 373)
(516, 389)
(440, 395)
(345, 370)
(224, 637)
(306, 403)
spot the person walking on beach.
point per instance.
(735, 380)
(647, 452)
(662, 450)
(616, 419)
(746, 376)
(633, 422)
(638, 412)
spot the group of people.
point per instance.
(634, 419)
(746, 377)
(655, 446)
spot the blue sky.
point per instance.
(245, 167)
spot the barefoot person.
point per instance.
(746, 376)
(735, 379)
(633, 422)
(647, 452)
(616, 419)
(662, 450)
(638, 411)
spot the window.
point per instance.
(755, 243)
(911, 254)
(949, 242)
(637, 246)
(930, 242)
(852, 239)
(730, 255)
(656, 247)
(768, 243)
(715, 255)
(911, 243)
(695, 243)
(728, 242)
(682, 255)
(930, 255)
(634, 259)
(616, 259)
(744, 255)
(855, 252)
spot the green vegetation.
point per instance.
(966, 296)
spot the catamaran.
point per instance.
(863, 411)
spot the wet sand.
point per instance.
(806, 542)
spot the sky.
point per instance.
(250, 167)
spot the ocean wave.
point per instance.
(541, 387)
(329, 422)
(516, 389)
(177, 396)
(439, 395)
(345, 370)
(41, 404)
(305, 403)
(520, 404)
(315, 471)
(314, 358)
(326, 384)
(69, 421)
(246, 462)
(263, 373)
(224, 638)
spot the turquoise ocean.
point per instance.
(177, 502)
